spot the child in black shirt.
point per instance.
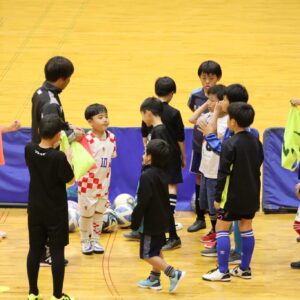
(151, 110)
(49, 171)
(237, 191)
(150, 216)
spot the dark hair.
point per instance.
(152, 104)
(50, 125)
(236, 93)
(242, 112)
(58, 67)
(210, 67)
(164, 86)
(218, 90)
(93, 110)
(159, 151)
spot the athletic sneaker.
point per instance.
(238, 272)
(295, 265)
(174, 281)
(172, 244)
(86, 247)
(210, 245)
(216, 275)
(234, 258)
(210, 237)
(178, 226)
(148, 284)
(212, 252)
(34, 297)
(64, 297)
(2, 234)
(197, 225)
(132, 235)
(47, 262)
(298, 239)
(97, 247)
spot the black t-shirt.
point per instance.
(161, 132)
(152, 209)
(238, 183)
(172, 119)
(49, 172)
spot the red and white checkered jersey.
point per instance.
(95, 183)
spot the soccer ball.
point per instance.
(124, 199)
(123, 213)
(110, 222)
(73, 219)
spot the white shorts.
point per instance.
(87, 206)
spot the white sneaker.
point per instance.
(2, 234)
(97, 247)
(178, 226)
(86, 247)
(216, 275)
(238, 272)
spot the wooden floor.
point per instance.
(119, 48)
(114, 274)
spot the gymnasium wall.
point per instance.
(278, 183)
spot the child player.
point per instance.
(151, 215)
(210, 73)
(237, 192)
(49, 171)
(93, 187)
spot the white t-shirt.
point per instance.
(210, 160)
(96, 182)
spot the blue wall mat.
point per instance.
(126, 167)
(278, 183)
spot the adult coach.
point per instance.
(45, 100)
(58, 71)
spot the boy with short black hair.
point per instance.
(209, 73)
(165, 88)
(237, 191)
(151, 214)
(233, 93)
(151, 110)
(49, 171)
(210, 160)
(93, 187)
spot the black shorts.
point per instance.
(174, 173)
(41, 233)
(195, 162)
(150, 245)
(227, 216)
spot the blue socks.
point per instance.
(248, 242)
(223, 249)
(237, 237)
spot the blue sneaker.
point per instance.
(174, 281)
(148, 284)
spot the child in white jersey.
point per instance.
(210, 160)
(93, 186)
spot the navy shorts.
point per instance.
(150, 245)
(229, 217)
(195, 162)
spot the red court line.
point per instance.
(110, 277)
(6, 216)
(103, 267)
